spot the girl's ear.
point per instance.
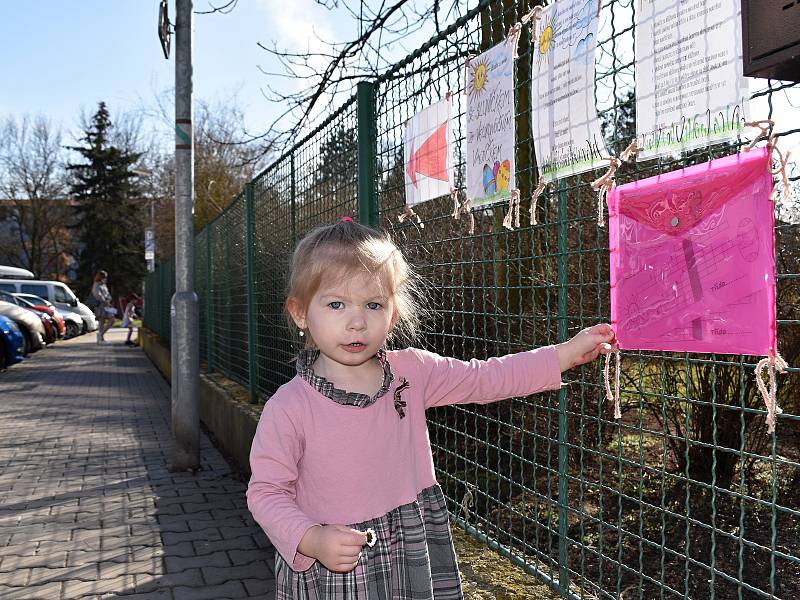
(296, 311)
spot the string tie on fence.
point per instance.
(782, 159)
(535, 199)
(630, 150)
(612, 397)
(603, 184)
(764, 126)
(467, 502)
(511, 219)
(772, 363)
(515, 31)
(409, 214)
(463, 209)
(513, 36)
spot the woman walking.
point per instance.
(102, 307)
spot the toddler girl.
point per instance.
(343, 481)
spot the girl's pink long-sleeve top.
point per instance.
(315, 461)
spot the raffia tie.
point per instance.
(462, 209)
(764, 126)
(603, 184)
(629, 151)
(535, 200)
(513, 36)
(515, 31)
(467, 502)
(409, 214)
(781, 170)
(534, 14)
(511, 219)
(612, 397)
(771, 363)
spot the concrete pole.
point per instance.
(184, 308)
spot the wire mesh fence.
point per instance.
(686, 496)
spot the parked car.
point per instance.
(28, 322)
(36, 303)
(73, 322)
(12, 343)
(53, 327)
(55, 292)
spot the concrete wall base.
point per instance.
(224, 409)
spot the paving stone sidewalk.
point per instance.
(88, 507)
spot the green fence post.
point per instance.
(250, 236)
(563, 461)
(293, 204)
(367, 154)
(209, 298)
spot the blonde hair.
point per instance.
(345, 249)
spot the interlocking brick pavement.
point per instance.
(88, 507)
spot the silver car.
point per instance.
(29, 322)
(73, 323)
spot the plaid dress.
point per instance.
(413, 557)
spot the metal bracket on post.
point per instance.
(250, 236)
(367, 154)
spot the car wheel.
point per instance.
(71, 330)
(3, 357)
(27, 345)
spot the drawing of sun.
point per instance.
(480, 76)
(546, 42)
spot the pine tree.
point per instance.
(108, 210)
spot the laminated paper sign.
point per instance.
(567, 134)
(490, 125)
(693, 259)
(690, 90)
(428, 154)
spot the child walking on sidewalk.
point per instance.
(343, 480)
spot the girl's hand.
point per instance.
(335, 546)
(586, 346)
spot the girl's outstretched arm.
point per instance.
(585, 346)
(453, 381)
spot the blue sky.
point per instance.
(63, 57)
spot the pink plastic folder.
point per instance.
(693, 259)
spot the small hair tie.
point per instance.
(347, 219)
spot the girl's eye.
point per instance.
(336, 305)
(374, 305)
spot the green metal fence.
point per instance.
(686, 496)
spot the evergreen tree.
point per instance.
(108, 210)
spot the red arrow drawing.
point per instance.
(430, 159)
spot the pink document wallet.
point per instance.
(692, 256)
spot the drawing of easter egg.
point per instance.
(747, 240)
(496, 168)
(489, 182)
(503, 175)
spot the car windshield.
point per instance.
(26, 302)
(34, 299)
(5, 296)
(65, 295)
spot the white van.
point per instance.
(56, 292)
